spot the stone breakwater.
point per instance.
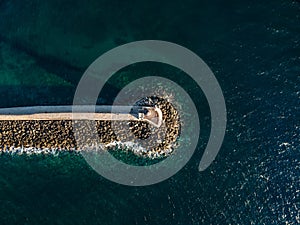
(139, 137)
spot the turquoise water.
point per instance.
(252, 48)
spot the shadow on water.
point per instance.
(15, 96)
(40, 92)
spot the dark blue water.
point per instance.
(253, 48)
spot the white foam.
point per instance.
(139, 150)
(126, 146)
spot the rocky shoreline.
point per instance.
(139, 137)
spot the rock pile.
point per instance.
(140, 137)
